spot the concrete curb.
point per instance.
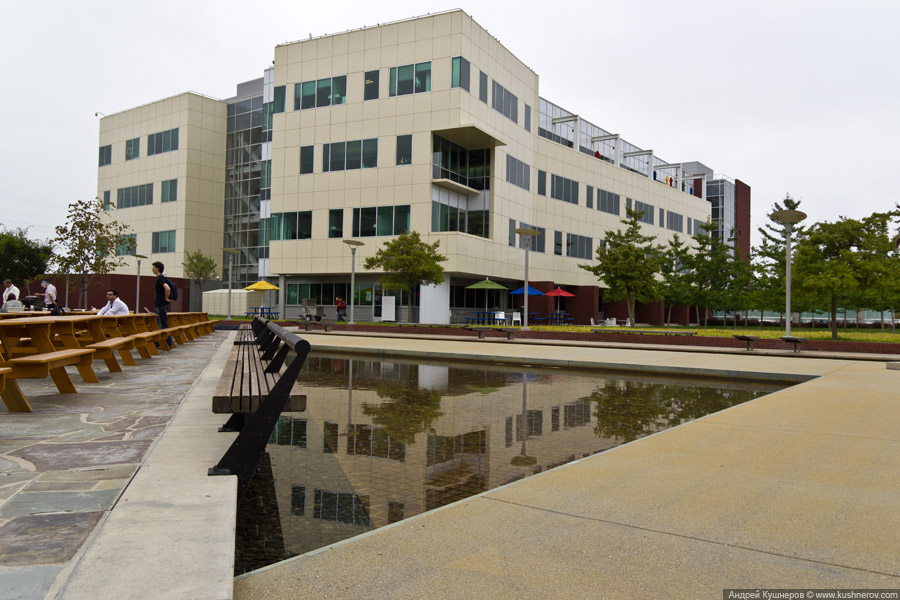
(172, 533)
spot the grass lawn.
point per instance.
(817, 333)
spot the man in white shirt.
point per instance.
(10, 292)
(49, 296)
(114, 306)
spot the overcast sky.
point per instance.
(789, 96)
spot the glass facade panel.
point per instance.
(354, 154)
(323, 92)
(307, 157)
(370, 91)
(370, 154)
(279, 99)
(308, 94)
(339, 90)
(105, 155)
(336, 223)
(404, 149)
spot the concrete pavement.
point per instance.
(796, 489)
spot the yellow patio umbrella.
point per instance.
(261, 286)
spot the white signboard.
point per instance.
(388, 310)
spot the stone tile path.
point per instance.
(64, 466)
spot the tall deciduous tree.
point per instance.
(199, 268)
(676, 286)
(88, 242)
(407, 262)
(710, 265)
(628, 263)
(21, 258)
(830, 265)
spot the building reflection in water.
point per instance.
(381, 441)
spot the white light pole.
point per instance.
(354, 244)
(788, 218)
(137, 291)
(231, 252)
(528, 234)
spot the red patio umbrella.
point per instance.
(559, 292)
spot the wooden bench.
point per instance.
(257, 385)
(796, 341)
(750, 339)
(642, 331)
(510, 333)
(308, 326)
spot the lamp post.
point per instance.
(354, 244)
(528, 234)
(788, 218)
(231, 252)
(137, 291)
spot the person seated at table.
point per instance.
(114, 306)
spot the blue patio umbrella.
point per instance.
(531, 291)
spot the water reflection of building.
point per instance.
(381, 441)
(349, 464)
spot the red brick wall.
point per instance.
(124, 284)
(742, 218)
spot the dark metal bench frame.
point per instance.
(255, 429)
(796, 341)
(510, 333)
(750, 339)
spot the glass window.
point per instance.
(308, 94)
(105, 155)
(370, 91)
(163, 241)
(542, 183)
(459, 77)
(557, 243)
(483, 87)
(336, 223)
(289, 222)
(337, 156)
(404, 149)
(367, 221)
(405, 76)
(298, 96)
(106, 200)
(423, 77)
(385, 222)
(326, 157)
(512, 233)
(170, 190)
(354, 154)
(126, 244)
(307, 156)
(590, 197)
(527, 118)
(133, 149)
(339, 90)
(163, 141)
(370, 153)
(392, 82)
(279, 99)
(401, 219)
(323, 92)
(304, 225)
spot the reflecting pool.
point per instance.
(384, 440)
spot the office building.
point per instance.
(427, 124)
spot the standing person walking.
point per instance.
(163, 290)
(50, 298)
(341, 308)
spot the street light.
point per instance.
(231, 252)
(528, 234)
(354, 244)
(137, 291)
(788, 218)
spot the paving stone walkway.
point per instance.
(64, 465)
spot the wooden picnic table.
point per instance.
(642, 331)
(28, 350)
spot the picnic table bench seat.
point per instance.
(39, 366)
(257, 384)
(750, 339)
